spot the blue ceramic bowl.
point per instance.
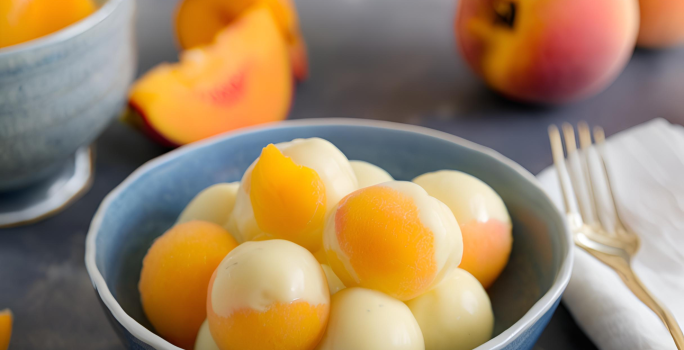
(149, 201)
(58, 92)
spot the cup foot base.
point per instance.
(50, 196)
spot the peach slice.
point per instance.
(290, 205)
(198, 21)
(5, 328)
(242, 79)
(289, 190)
(24, 20)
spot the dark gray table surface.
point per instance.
(380, 59)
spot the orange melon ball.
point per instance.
(268, 295)
(482, 216)
(5, 328)
(175, 275)
(394, 238)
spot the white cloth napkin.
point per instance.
(646, 164)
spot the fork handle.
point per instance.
(624, 270)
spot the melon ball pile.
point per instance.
(312, 251)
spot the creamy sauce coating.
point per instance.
(256, 275)
(331, 165)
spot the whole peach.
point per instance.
(547, 51)
(662, 23)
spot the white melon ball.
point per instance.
(204, 340)
(334, 283)
(369, 174)
(455, 315)
(213, 204)
(365, 319)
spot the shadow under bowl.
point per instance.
(148, 202)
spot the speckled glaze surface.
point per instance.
(149, 201)
(58, 92)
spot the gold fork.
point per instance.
(614, 246)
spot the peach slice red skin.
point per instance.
(148, 129)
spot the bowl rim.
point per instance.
(66, 33)
(500, 341)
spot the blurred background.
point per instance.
(397, 60)
(394, 60)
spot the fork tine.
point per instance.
(600, 138)
(563, 177)
(599, 135)
(596, 181)
(584, 135)
(585, 144)
(577, 172)
(569, 136)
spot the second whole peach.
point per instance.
(547, 51)
(662, 23)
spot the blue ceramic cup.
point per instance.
(148, 202)
(58, 92)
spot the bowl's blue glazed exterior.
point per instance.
(148, 202)
(58, 92)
